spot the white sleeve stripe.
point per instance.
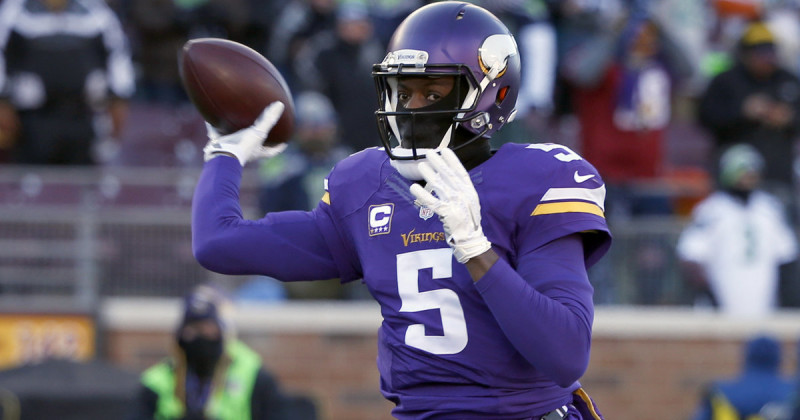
(595, 195)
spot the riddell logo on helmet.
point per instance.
(415, 57)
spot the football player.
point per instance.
(477, 257)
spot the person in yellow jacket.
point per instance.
(210, 375)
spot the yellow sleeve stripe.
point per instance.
(588, 401)
(567, 207)
(326, 198)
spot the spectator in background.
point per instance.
(298, 22)
(293, 181)
(757, 391)
(161, 27)
(691, 25)
(621, 84)
(210, 375)
(340, 66)
(757, 102)
(66, 70)
(577, 23)
(387, 14)
(783, 20)
(738, 239)
(620, 70)
(535, 34)
(261, 20)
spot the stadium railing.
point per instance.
(125, 231)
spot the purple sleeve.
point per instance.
(286, 245)
(545, 307)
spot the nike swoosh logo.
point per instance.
(582, 178)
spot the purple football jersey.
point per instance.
(440, 345)
(511, 345)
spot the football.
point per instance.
(230, 84)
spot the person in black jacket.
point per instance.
(756, 102)
(65, 79)
(338, 64)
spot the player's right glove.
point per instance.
(247, 143)
(456, 203)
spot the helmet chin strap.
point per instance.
(409, 169)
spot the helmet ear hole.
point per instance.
(501, 95)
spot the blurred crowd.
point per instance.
(652, 92)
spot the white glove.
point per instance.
(247, 143)
(456, 203)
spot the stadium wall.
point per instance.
(646, 363)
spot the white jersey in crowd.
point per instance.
(741, 246)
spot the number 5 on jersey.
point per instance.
(446, 301)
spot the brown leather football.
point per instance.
(230, 84)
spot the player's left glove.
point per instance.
(456, 203)
(247, 143)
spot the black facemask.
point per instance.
(425, 131)
(202, 355)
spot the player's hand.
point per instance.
(756, 106)
(779, 115)
(456, 203)
(246, 144)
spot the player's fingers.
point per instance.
(436, 181)
(271, 151)
(452, 161)
(436, 162)
(269, 116)
(429, 174)
(212, 132)
(423, 197)
(450, 178)
(433, 181)
(451, 185)
(459, 177)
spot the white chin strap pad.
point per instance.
(409, 169)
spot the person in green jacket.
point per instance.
(211, 375)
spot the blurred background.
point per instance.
(100, 151)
